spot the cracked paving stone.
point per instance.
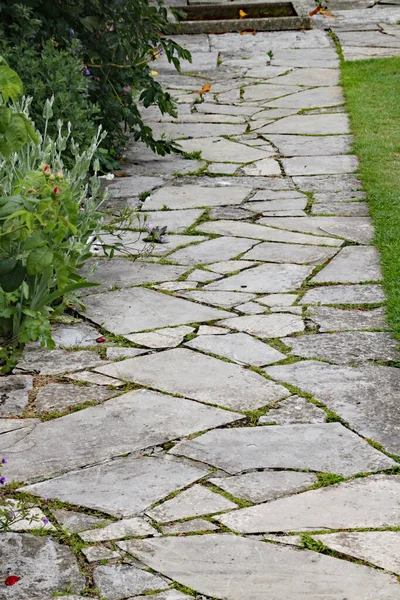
(365, 397)
(261, 486)
(351, 265)
(291, 540)
(224, 109)
(14, 394)
(134, 245)
(268, 167)
(377, 547)
(328, 184)
(341, 209)
(317, 165)
(141, 309)
(278, 300)
(290, 253)
(98, 553)
(304, 145)
(126, 187)
(230, 266)
(74, 336)
(194, 502)
(366, 502)
(320, 96)
(96, 378)
(211, 330)
(195, 525)
(307, 57)
(176, 221)
(310, 77)
(56, 362)
(75, 522)
(250, 308)
(328, 447)
(291, 204)
(281, 195)
(116, 582)
(9, 425)
(162, 338)
(239, 347)
(133, 421)
(222, 168)
(217, 149)
(192, 196)
(345, 347)
(343, 196)
(222, 383)
(43, 565)
(122, 487)
(329, 124)
(134, 527)
(266, 326)
(196, 130)
(230, 212)
(336, 319)
(345, 294)
(293, 410)
(170, 594)
(225, 248)
(223, 566)
(223, 299)
(116, 353)
(59, 396)
(268, 91)
(265, 279)
(176, 286)
(26, 519)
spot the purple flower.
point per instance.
(127, 89)
(86, 71)
(45, 520)
(44, 499)
(2, 480)
(3, 460)
(11, 515)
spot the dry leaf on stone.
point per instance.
(242, 14)
(206, 88)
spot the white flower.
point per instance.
(108, 177)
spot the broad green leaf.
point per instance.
(5, 117)
(7, 264)
(5, 149)
(38, 260)
(34, 241)
(12, 280)
(16, 135)
(30, 129)
(10, 84)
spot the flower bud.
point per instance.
(60, 174)
(56, 191)
(46, 171)
(51, 177)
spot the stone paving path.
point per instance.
(239, 426)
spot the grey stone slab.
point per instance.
(75, 522)
(351, 265)
(266, 326)
(43, 565)
(170, 594)
(336, 319)
(176, 221)
(294, 310)
(292, 204)
(233, 44)
(278, 300)
(230, 266)
(99, 553)
(377, 547)
(201, 61)
(267, 115)
(267, 91)
(239, 347)
(132, 243)
(345, 294)
(345, 347)
(26, 518)
(336, 196)
(126, 187)
(141, 309)
(194, 502)
(222, 383)
(122, 487)
(176, 286)
(329, 124)
(261, 486)
(227, 212)
(222, 168)
(219, 149)
(341, 209)
(14, 394)
(372, 39)
(203, 118)
(8, 425)
(96, 378)
(225, 109)
(268, 167)
(190, 196)
(223, 566)
(326, 447)
(324, 96)
(116, 353)
(74, 336)
(282, 195)
(265, 279)
(310, 77)
(202, 276)
(259, 183)
(250, 308)
(139, 418)
(365, 397)
(134, 527)
(189, 527)
(162, 338)
(307, 145)
(59, 396)
(366, 502)
(293, 410)
(320, 165)
(120, 581)
(353, 229)
(290, 253)
(223, 248)
(315, 57)
(211, 330)
(346, 183)
(291, 540)
(56, 362)
(251, 230)
(260, 72)
(196, 130)
(165, 165)
(224, 299)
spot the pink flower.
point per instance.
(149, 227)
(127, 89)
(56, 191)
(111, 28)
(46, 171)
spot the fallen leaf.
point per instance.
(100, 340)
(242, 14)
(121, 174)
(154, 72)
(328, 13)
(315, 11)
(12, 580)
(254, 32)
(206, 88)
(244, 32)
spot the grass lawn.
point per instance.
(372, 91)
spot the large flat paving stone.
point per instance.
(42, 361)
(317, 165)
(291, 204)
(134, 527)
(328, 124)
(162, 338)
(223, 248)
(265, 279)
(122, 487)
(322, 96)
(308, 57)
(341, 209)
(116, 582)
(223, 299)
(193, 196)
(268, 91)
(364, 397)
(336, 319)
(293, 410)
(14, 394)
(239, 347)
(345, 347)
(345, 294)
(222, 383)
(268, 167)
(224, 567)
(326, 447)
(194, 525)
(196, 130)
(346, 183)
(60, 396)
(352, 265)
(74, 522)
(266, 326)
(308, 145)
(290, 253)
(380, 548)
(366, 502)
(261, 486)
(43, 565)
(354, 229)
(132, 243)
(133, 421)
(218, 149)
(140, 309)
(234, 44)
(310, 77)
(176, 221)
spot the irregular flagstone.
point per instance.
(196, 130)
(208, 330)
(317, 165)
(56, 362)
(226, 212)
(26, 519)
(274, 205)
(139, 419)
(222, 383)
(224, 299)
(266, 326)
(355, 229)
(268, 167)
(260, 183)
(343, 196)
(134, 527)
(232, 44)
(174, 286)
(99, 553)
(225, 248)
(314, 57)
(116, 353)
(342, 209)
(261, 486)
(265, 279)
(290, 253)
(191, 196)
(291, 540)
(307, 145)
(352, 265)
(250, 230)
(162, 338)
(239, 347)
(336, 319)
(197, 500)
(96, 378)
(271, 113)
(345, 294)
(170, 594)
(230, 266)
(272, 194)
(203, 118)
(73, 336)
(60, 396)
(120, 581)
(278, 299)
(189, 527)
(377, 547)
(176, 221)
(8, 425)
(329, 124)
(132, 243)
(364, 397)
(223, 566)
(74, 522)
(141, 309)
(293, 410)
(346, 183)
(260, 72)
(310, 77)
(265, 91)
(373, 39)
(250, 308)
(126, 187)
(225, 109)
(321, 96)
(223, 168)
(14, 394)
(43, 565)
(366, 502)
(218, 149)
(122, 487)
(326, 447)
